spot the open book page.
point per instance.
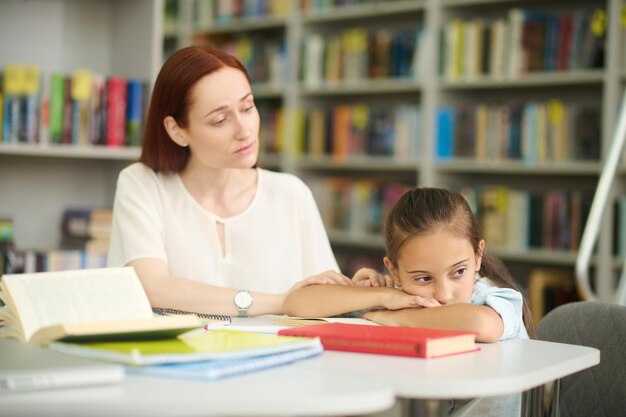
(11, 327)
(47, 298)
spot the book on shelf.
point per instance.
(221, 344)
(384, 340)
(312, 321)
(90, 304)
(217, 369)
(82, 108)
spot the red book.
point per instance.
(384, 340)
(116, 111)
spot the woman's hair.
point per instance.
(171, 96)
(422, 210)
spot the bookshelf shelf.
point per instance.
(468, 165)
(357, 163)
(547, 257)
(545, 79)
(72, 151)
(364, 241)
(267, 91)
(363, 87)
(458, 3)
(363, 11)
(259, 23)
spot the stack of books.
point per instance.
(70, 312)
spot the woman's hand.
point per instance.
(368, 277)
(327, 277)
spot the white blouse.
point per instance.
(277, 240)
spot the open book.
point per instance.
(89, 304)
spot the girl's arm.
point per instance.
(476, 318)
(332, 300)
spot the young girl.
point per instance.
(442, 276)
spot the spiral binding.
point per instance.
(172, 312)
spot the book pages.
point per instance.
(48, 298)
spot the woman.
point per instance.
(206, 229)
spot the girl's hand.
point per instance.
(368, 277)
(398, 300)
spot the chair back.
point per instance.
(599, 391)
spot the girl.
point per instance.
(442, 276)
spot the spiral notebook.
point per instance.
(205, 317)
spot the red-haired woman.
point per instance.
(206, 229)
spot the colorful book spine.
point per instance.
(116, 111)
(134, 113)
(57, 95)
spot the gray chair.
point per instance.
(599, 391)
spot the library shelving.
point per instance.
(582, 89)
(471, 62)
(38, 182)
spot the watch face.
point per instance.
(243, 299)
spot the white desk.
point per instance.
(335, 383)
(282, 391)
(500, 368)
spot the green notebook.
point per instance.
(188, 347)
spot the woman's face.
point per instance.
(439, 265)
(223, 122)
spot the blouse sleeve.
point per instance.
(137, 218)
(507, 302)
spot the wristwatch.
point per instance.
(243, 301)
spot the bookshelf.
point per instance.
(288, 93)
(595, 87)
(37, 183)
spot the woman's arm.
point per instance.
(476, 318)
(332, 300)
(164, 290)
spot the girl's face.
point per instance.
(223, 122)
(439, 265)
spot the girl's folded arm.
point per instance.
(476, 318)
(333, 300)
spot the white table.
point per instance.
(335, 383)
(282, 391)
(514, 366)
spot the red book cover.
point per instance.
(116, 111)
(384, 340)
